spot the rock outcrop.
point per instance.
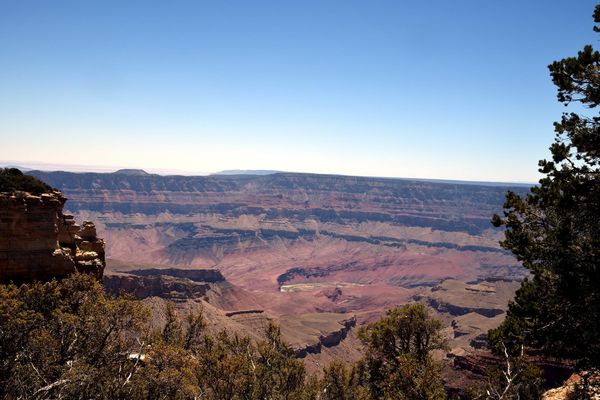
(457, 310)
(329, 339)
(174, 284)
(488, 298)
(209, 275)
(576, 387)
(38, 242)
(478, 362)
(166, 287)
(180, 286)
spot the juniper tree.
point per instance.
(398, 363)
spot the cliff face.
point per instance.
(166, 287)
(39, 242)
(175, 284)
(330, 339)
(445, 206)
(476, 364)
(575, 388)
(295, 237)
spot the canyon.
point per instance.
(298, 244)
(319, 255)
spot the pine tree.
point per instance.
(555, 230)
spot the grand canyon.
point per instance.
(401, 212)
(319, 254)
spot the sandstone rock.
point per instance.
(329, 339)
(568, 389)
(478, 362)
(479, 342)
(88, 231)
(243, 312)
(177, 289)
(210, 275)
(38, 242)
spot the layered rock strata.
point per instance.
(174, 284)
(329, 339)
(576, 387)
(478, 363)
(38, 242)
(167, 287)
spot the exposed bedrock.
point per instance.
(446, 206)
(456, 310)
(229, 239)
(292, 273)
(488, 298)
(211, 237)
(330, 339)
(473, 225)
(197, 275)
(478, 362)
(167, 287)
(311, 348)
(251, 227)
(169, 283)
(38, 242)
(479, 342)
(244, 312)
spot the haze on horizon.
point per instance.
(430, 90)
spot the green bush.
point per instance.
(12, 179)
(70, 340)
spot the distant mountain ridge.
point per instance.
(139, 179)
(439, 205)
(132, 172)
(247, 172)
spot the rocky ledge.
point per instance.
(328, 340)
(38, 242)
(579, 385)
(456, 310)
(478, 362)
(175, 284)
(167, 287)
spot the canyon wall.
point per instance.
(293, 239)
(174, 284)
(330, 339)
(446, 206)
(309, 251)
(39, 242)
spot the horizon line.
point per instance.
(83, 168)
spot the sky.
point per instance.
(427, 89)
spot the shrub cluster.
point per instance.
(69, 340)
(12, 179)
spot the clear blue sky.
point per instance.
(433, 89)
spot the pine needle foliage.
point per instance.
(555, 230)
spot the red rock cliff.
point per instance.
(39, 242)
